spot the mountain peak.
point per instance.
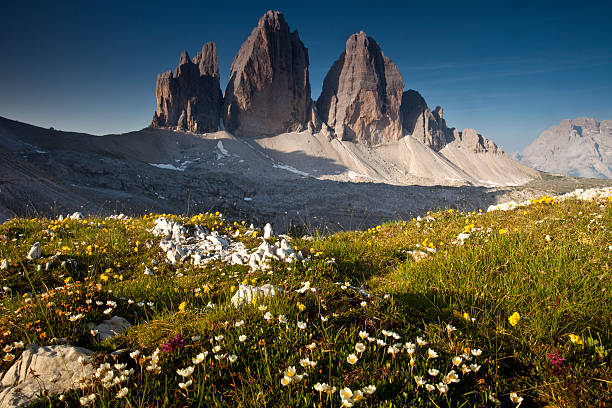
(269, 88)
(580, 147)
(362, 94)
(184, 58)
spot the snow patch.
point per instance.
(167, 166)
(291, 169)
(222, 149)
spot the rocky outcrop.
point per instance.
(269, 90)
(190, 97)
(362, 94)
(429, 127)
(471, 140)
(43, 369)
(424, 125)
(580, 147)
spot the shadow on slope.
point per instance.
(104, 175)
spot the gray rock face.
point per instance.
(190, 98)
(269, 90)
(475, 142)
(580, 147)
(57, 369)
(424, 125)
(429, 127)
(362, 94)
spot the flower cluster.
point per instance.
(173, 344)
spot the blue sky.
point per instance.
(509, 69)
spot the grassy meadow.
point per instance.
(402, 315)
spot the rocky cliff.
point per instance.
(362, 94)
(190, 97)
(269, 90)
(424, 125)
(429, 127)
(580, 147)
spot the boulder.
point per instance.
(267, 231)
(190, 97)
(48, 369)
(362, 94)
(111, 328)
(268, 92)
(35, 251)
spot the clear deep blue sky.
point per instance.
(509, 69)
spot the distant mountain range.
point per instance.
(580, 147)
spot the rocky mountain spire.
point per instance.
(424, 125)
(362, 93)
(190, 98)
(207, 60)
(269, 89)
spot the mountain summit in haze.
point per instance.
(580, 147)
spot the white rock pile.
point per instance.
(579, 194)
(203, 246)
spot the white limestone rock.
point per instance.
(111, 328)
(268, 231)
(4, 265)
(57, 369)
(460, 240)
(35, 251)
(168, 228)
(247, 293)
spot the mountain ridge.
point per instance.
(579, 147)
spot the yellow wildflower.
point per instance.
(514, 319)
(575, 338)
(182, 306)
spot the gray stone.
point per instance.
(35, 251)
(111, 328)
(56, 368)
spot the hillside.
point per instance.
(453, 309)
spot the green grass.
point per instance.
(548, 263)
